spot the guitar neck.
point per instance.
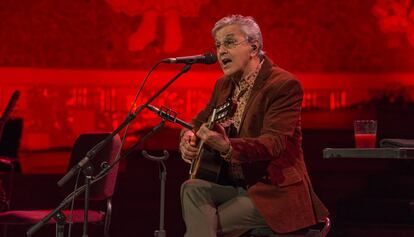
(211, 120)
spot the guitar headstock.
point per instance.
(224, 111)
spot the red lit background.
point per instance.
(79, 63)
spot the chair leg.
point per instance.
(108, 217)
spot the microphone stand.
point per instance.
(92, 153)
(58, 215)
(60, 219)
(88, 171)
(163, 178)
(98, 147)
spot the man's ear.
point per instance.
(254, 50)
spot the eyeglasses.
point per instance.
(229, 43)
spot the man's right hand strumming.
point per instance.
(188, 147)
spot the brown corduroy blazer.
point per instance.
(269, 148)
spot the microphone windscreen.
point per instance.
(210, 58)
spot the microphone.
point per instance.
(207, 58)
(169, 116)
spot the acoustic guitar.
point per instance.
(208, 165)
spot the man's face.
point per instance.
(233, 50)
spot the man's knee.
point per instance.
(194, 187)
(193, 184)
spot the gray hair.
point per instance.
(248, 25)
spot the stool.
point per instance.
(320, 229)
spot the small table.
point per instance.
(381, 192)
(390, 153)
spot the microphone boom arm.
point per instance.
(96, 149)
(170, 115)
(91, 154)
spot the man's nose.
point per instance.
(222, 50)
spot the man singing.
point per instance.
(268, 184)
